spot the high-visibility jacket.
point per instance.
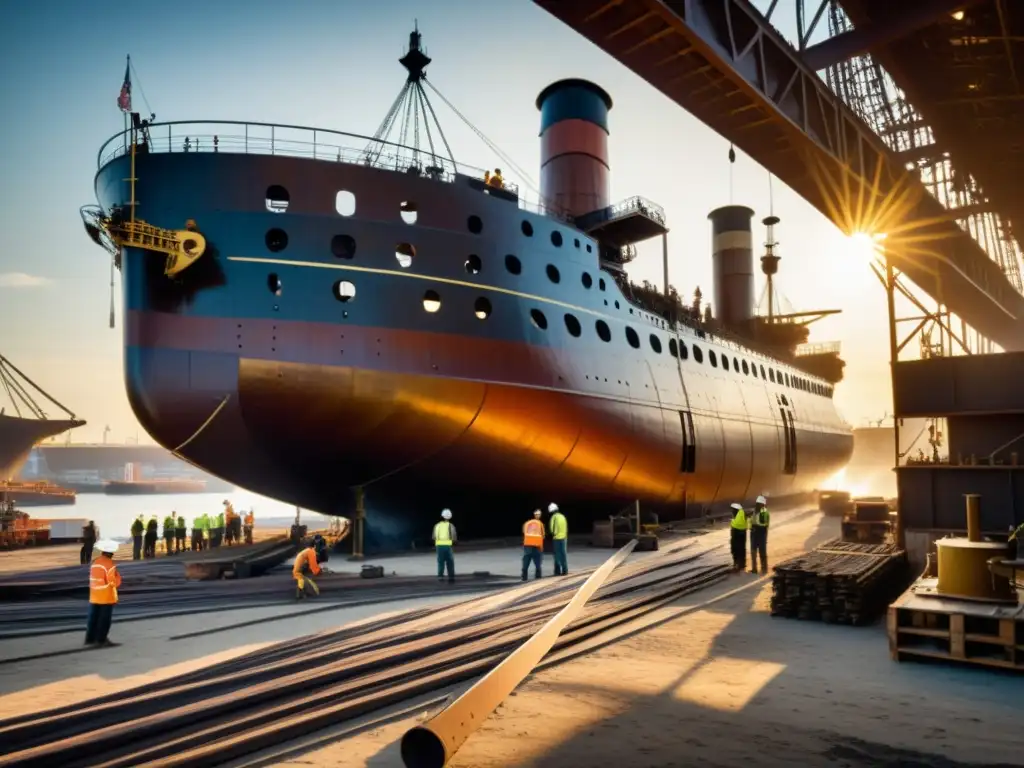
(444, 534)
(220, 521)
(104, 579)
(533, 533)
(138, 527)
(761, 519)
(169, 525)
(181, 523)
(559, 526)
(739, 521)
(250, 520)
(306, 557)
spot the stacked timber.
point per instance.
(839, 582)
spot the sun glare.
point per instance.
(865, 246)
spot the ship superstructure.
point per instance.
(360, 325)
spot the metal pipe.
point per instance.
(435, 742)
(973, 516)
(664, 259)
(894, 356)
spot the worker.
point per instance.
(444, 537)
(306, 563)
(559, 528)
(238, 527)
(197, 535)
(138, 527)
(759, 522)
(533, 544)
(250, 522)
(89, 534)
(179, 534)
(149, 543)
(104, 581)
(487, 178)
(738, 538)
(205, 531)
(496, 179)
(170, 526)
(218, 525)
(229, 525)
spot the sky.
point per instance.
(333, 64)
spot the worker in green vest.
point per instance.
(169, 527)
(559, 528)
(759, 522)
(138, 528)
(738, 538)
(204, 530)
(218, 530)
(179, 534)
(444, 537)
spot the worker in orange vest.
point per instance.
(250, 521)
(533, 544)
(307, 562)
(104, 580)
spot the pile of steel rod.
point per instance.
(839, 582)
(296, 688)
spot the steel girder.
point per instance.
(724, 63)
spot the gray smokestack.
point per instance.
(732, 254)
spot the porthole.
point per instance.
(712, 358)
(762, 373)
(787, 380)
(404, 254)
(343, 246)
(576, 242)
(276, 240)
(345, 203)
(632, 338)
(600, 284)
(746, 368)
(587, 280)
(431, 301)
(556, 239)
(572, 325)
(344, 291)
(513, 265)
(785, 401)
(771, 375)
(475, 224)
(698, 354)
(673, 348)
(616, 303)
(684, 353)
(538, 319)
(590, 248)
(725, 362)
(277, 199)
(602, 330)
(656, 344)
(527, 228)
(473, 264)
(274, 283)
(482, 308)
(408, 211)
(553, 274)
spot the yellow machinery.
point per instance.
(972, 568)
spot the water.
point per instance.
(114, 514)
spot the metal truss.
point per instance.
(724, 62)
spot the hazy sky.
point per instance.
(332, 64)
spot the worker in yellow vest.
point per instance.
(738, 538)
(759, 523)
(559, 528)
(444, 537)
(533, 544)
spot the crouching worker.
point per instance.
(306, 564)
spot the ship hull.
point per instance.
(19, 435)
(251, 368)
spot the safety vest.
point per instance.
(220, 520)
(181, 524)
(443, 534)
(168, 526)
(138, 527)
(739, 522)
(249, 519)
(761, 519)
(559, 526)
(533, 533)
(306, 557)
(103, 581)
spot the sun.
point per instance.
(866, 246)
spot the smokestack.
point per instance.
(574, 146)
(732, 254)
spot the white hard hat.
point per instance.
(446, 514)
(552, 507)
(107, 546)
(736, 506)
(536, 513)
(760, 500)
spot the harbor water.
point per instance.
(114, 514)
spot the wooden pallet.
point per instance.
(922, 625)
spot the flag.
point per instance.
(124, 101)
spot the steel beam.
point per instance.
(726, 65)
(909, 18)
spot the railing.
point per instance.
(821, 348)
(635, 204)
(236, 137)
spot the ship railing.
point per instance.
(237, 137)
(635, 204)
(821, 348)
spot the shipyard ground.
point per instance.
(711, 680)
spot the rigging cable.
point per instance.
(142, 91)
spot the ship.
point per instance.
(20, 431)
(134, 483)
(367, 328)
